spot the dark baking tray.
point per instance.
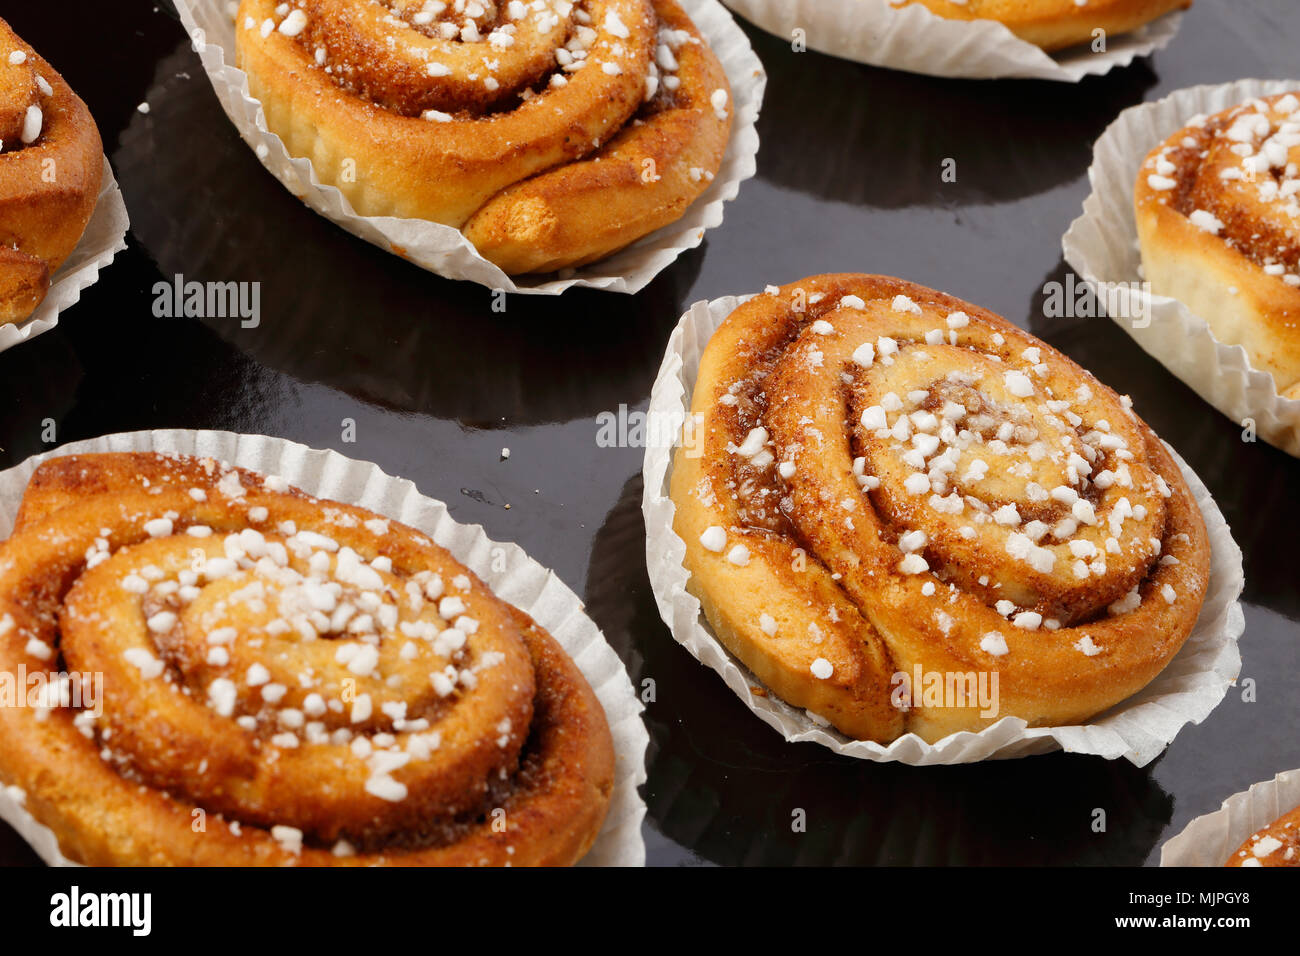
(438, 384)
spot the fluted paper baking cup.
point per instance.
(443, 249)
(1102, 247)
(912, 38)
(1210, 839)
(1137, 729)
(518, 579)
(104, 238)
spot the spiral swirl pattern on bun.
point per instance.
(887, 482)
(551, 132)
(312, 682)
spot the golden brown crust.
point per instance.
(1217, 207)
(51, 164)
(503, 756)
(1056, 24)
(641, 180)
(1073, 585)
(1277, 844)
(545, 165)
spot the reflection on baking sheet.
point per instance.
(205, 209)
(892, 154)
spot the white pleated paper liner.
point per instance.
(105, 237)
(914, 39)
(1210, 839)
(1102, 247)
(1138, 729)
(443, 249)
(519, 579)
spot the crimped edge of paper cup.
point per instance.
(518, 579)
(1101, 246)
(1137, 729)
(914, 39)
(81, 269)
(450, 254)
(1210, 839)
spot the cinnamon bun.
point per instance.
(1056, 24)
(219, 669)
(552, 133)
(1277, 844)
(1218, 216)
(51, 163)
(885, 483)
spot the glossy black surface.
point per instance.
(438, 384)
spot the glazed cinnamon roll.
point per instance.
(1055, 24)
(51, 163)
(1217, 210)
(886, 486)
(552, 132)
(218, 669)
(1277, 844)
